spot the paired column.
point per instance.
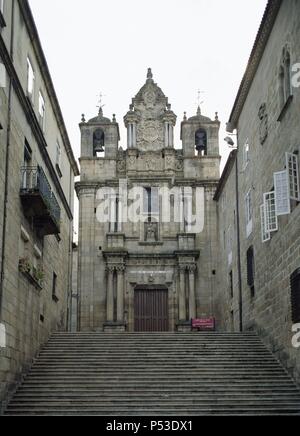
(110, 294)
(182, 292)
(192, 295)
(120, 293)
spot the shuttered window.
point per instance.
(295, 296)
(271, 219)
(282, 193)
(293, 175)
(265, 235)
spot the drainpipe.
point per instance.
(70, 267)
(6, 182)
(238, 238)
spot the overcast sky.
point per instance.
(106, 46)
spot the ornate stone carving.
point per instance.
(263, 128)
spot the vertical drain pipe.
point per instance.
(6, 182)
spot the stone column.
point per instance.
(192, 296)
(166, 134)
(134, 135)
(182, 295)
(120, 293)
(110, 294)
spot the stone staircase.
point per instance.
(164, 374)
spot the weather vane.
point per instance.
(100, 101)
(199, 98)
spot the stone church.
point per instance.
(147, 253)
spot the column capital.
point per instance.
(110, 268)
(120, 269)
(192, 268)
(182, 268)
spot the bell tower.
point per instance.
(99, 137)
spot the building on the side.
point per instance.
(37, 170)
(143, 263)
(259, 230)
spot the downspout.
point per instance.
(70, 267)
(238, 238)
(6, 182)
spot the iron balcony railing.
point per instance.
(34, 180)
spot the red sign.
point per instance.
(204, 324)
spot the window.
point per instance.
(58, 159)
(151, 201)
(285, 88)
(265, 235)
(54, 286)
(282, 193)
(249, 222)
(98, 142)
(246, 154)
(1, 6)
(201, 142)
(295, 296)
(293, 176)
(42, 111)
(2, 74)
(231, 283)
(251, 270)
(229, 245)
(30, 80)
(271, 219)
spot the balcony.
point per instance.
(39, 202)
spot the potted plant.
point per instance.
(24, 265)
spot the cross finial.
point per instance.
(100, 103)
(199, 101)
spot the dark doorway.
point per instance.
(151, 310)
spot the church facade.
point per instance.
(147, 224)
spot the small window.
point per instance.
(246, 154)
(271, 219)
(54, 288)
(151, 201)
(231, 284)
(98, 142)
(27, 153)
(58, 159)
(285, 85)
(30, 80)
(2, 75)
(293, 175)
(249, 214)
(295, 296)
(42, 111)
(251, 270)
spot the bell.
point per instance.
(99, 148)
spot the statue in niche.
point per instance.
(151, 234)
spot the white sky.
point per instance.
(106, 46)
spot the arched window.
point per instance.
(201, 142)
(285, 88)
(98, 142)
